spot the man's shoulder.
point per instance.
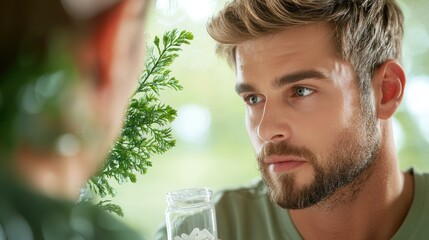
(421, 179)
(415, 223)
(421, 187)
(425, 175)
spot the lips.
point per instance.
(282, 164)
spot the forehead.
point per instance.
(294, 43)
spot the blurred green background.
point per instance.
(212, 146)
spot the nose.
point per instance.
(273, 125)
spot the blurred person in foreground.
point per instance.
(321, 81)
(68, 69)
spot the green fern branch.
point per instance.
(146, 131)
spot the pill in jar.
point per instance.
(196, 234)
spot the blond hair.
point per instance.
(366, 32)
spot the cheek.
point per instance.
(333, 113)
(252, 122)
(317, 131)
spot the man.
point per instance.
(67, 71)
(321, 81)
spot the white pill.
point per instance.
(194, 233)
(200, 237)
(207, 234)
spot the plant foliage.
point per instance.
(146, 130)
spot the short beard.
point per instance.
(348, 164)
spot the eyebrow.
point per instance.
(284, 80)
(243, 87)
(298, 76)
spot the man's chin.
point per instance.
(286, 193)
(282, 182)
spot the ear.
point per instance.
(117, 42)
(95, 48)
(104, 41)
(389, 84)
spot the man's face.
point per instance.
(303, 115)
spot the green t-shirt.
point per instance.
(416, 223)
(248, 214)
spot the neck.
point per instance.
(383, 199)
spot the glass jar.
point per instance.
(191, 215)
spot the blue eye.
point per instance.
(252, 99)
(303, 91)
